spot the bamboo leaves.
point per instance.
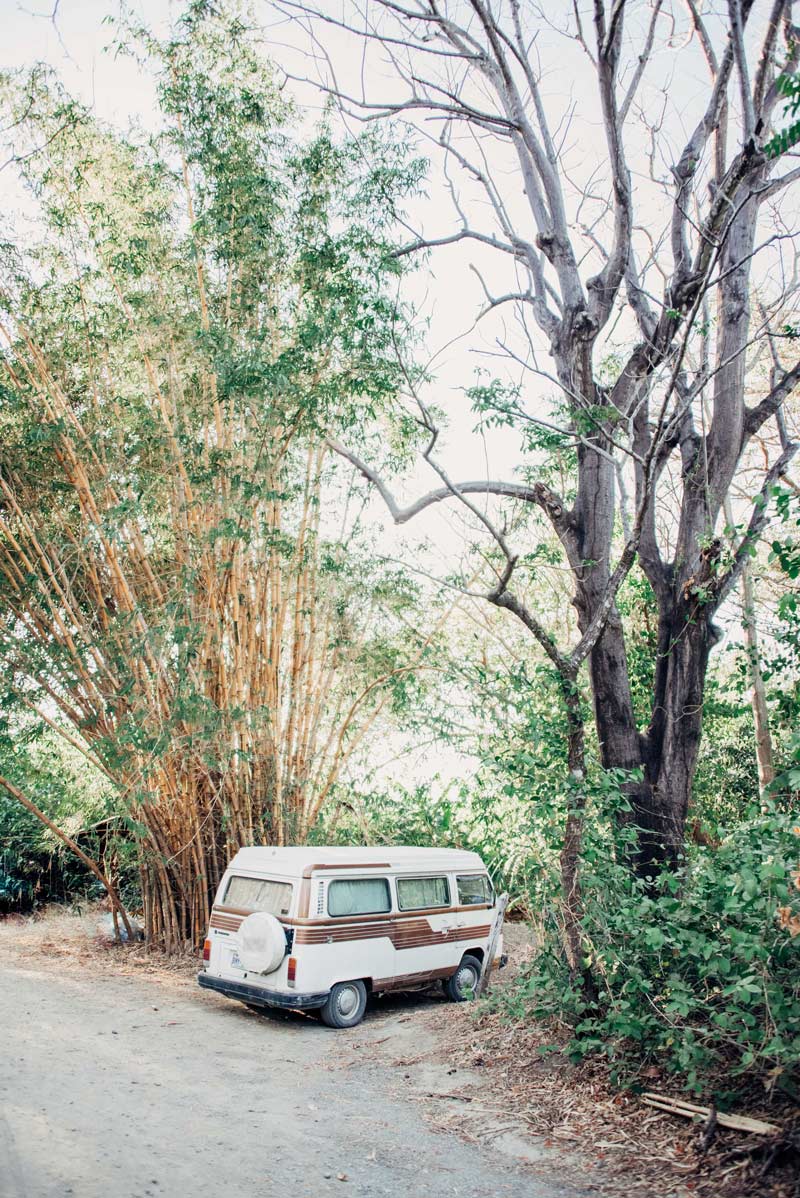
(204, 309)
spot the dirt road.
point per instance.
(111, 1087)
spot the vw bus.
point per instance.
(324, 928)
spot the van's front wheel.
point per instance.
(345, 1005)
(463, 985)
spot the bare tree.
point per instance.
(675, 274)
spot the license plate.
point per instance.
(235, 962)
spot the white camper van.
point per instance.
(324, 927)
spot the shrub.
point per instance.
(35, 866)
(697, 974)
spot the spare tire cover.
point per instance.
(262, 942)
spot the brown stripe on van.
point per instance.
(401, 933)
(336, 920)
(449, 938)
(321, 935)
(404, 922)
(400, 981)
(441, 910)
(231, 917)
(419, 935)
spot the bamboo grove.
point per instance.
(183, 595)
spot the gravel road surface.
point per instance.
(113, 1088)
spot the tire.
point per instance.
(261, 943)
(463, 985)
(345, 1005)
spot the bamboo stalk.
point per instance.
(99, 580)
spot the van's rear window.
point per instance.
(259, 894)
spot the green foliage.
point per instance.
(637, 606)
(786, 550)
(510, 802)
(726, 780)
(696, 977)
(548, 446)
(35, 866)
(183, 574)
(781, 655)
(785, 139)
(433, 815)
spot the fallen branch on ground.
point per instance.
(689, 1110)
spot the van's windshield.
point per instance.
(259, 894)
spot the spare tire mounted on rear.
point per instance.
(262, 942)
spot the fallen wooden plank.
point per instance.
(738, 1122)
(690, 1110)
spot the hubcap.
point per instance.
(466, 980)
(347, 1001)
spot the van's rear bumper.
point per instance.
(259, 996)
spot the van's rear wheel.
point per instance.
(463, 985)
(345, 1005)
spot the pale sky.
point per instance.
(448, 293)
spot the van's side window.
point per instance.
(474, 889)
(413, 893)
(359, 896)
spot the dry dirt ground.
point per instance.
(120, 1078)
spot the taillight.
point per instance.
(207, 950)
(291, 971)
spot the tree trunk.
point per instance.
(621, 745)
(673, 740)
(667, 753)
(687, 591)
(570, 860)
(764, 754)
